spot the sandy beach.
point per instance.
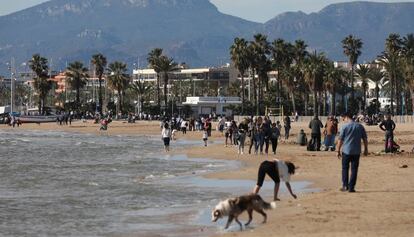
(382, 206)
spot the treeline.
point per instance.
(304, 75)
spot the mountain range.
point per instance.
(191, 31)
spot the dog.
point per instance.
(234, 207)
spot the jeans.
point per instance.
(287, 130)
(329, 142)
(258, 142)
(274, 145)
(354, 161)
(316, 141)
(242, 138)
(266, 142)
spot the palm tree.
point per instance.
(408, 54)
(377, 76)
(238, 52)
(166, 65)
(364, 73)
(77, 75)
(153, 61)
(142, 88)
(100, 65)
(260, 50)
(42, 85)
(314, 73)
(118, 80)
(333, 82)
(352, 49)
(391, 60)
(299, 56)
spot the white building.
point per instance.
(212, 105)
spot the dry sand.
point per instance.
(382, 206)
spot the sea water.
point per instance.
(68, 184)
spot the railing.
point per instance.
(397, 119)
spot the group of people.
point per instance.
(259, 131)
(169, 128)
(12, 121)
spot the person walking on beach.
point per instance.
(287, 122)
(267, 127)
(349, 149)
(259, 136)
(205, 137)
(277, 170)
(229, 132)
(243, 128)
(331, 129)
(315, 125)
(166, 137)
(184, 126)
(274, 137)
(252, 133)
(388, 126)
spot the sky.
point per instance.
(254, 10)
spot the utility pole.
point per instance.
(12, 85)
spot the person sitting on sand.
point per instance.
(277, 170)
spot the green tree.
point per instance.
(408, 55)
(166, 65)
(239, 56)
(377, 76)
(314, 75)
(42, 85)
(100, 62)
(352, 49)
(363, 73)
(333, 82)
(142, 89)
(154, 61)
(118, 80)
(78, 77)
(390, 59)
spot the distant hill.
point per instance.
(191, 31)
(324, 31)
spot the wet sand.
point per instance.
(382, 206)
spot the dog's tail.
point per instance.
(268, 206)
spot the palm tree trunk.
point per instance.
(254, 91)
(158, 91)
(119, 101)
(352, 83)
(40, 105)
(392, 91)
(100, 94)
(365, 99)
(315, 103)
(332, 110)
(325, 96)
(412, 100)
(242, 84)
(165, 90)
(293, 101)
(377, 105)
(77, 96)
(306, 97)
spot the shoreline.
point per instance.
(382, 205)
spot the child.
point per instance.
(205, 137)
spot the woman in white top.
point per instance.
(166, 137)
(277, 170)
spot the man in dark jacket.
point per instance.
(315, 125)
(388, 126)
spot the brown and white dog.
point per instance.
(234, 207)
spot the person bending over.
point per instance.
(277, 170)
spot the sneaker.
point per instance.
(343, 189)
(352, 191)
